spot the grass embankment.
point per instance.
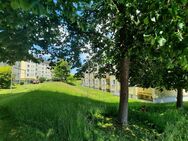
(61, 112)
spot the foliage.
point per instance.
(169, 54)
(120, 32)
(39, 27)
(151, 75)
(42, 79)
(146, 35)
(136, 31)
(23, 33)
(176, 131)
(71, 79)
(5, 77)
(62, 70)
(21, 83)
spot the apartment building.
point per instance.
(103, 85)
(28, 70)
(111, 84)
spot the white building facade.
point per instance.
(28, 70)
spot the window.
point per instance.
(114, 82)
(104, 82)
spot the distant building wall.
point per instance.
(103, 84)
(91, 80)
(86, 80)
(28, 70)
(110, 83)
(37, 70)
(97, 83)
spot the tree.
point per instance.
(177, 79)
(61, 70)
(5, 77)
(151, 75)
(121, 32)
(169, 54)
(117, 32)
(21, 31)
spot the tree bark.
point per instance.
(124, 91)
(179, 102)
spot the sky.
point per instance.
(82, 57)
(47, 56)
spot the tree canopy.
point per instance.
(61, 70)
(123, 33)
(118, 33)
(21, 31)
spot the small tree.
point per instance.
(5, 77)
(71, 79)
(61, 70)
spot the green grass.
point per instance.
(62, 112)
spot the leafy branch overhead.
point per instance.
(123, 37)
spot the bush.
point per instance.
(42, 79)
(70, 79)
(21, 83)
(56, 79)
(5, 77)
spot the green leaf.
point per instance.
(146, 21)
(162, 41)
(184, 2)
(14, 4)
(152, 41)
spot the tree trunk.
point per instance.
(124, 91)
(179, 103)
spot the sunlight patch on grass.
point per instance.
(57, 111)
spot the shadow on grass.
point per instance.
(71, 83)
(37, 113)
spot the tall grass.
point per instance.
(61, 112)
(177, 131)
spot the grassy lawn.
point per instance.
(62, 112)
